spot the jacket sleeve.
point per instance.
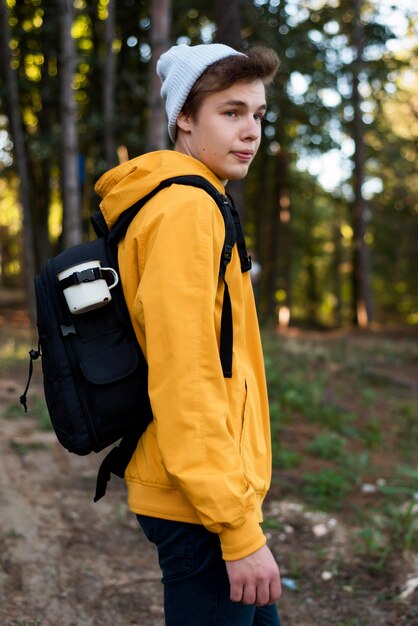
(179, 299)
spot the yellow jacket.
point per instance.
(206, 456)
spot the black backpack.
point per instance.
(94, 373)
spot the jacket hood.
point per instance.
(127, 183)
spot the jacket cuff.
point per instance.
(237, 543)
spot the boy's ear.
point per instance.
(184, 122)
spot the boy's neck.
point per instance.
(181, 146)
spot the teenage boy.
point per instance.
(202, 468)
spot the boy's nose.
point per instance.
(252, 128)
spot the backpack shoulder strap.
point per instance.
(233, 234)
(227, 329)
(245, 259)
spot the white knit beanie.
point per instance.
(179, 68)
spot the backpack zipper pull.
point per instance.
(33, 354)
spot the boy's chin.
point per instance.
(232, 174)
(237, 177)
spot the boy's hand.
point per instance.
(255, 579)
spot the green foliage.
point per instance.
(405, 416)
(371, 434)
(371, 544)
(394, 526)
(13, 411)
(37, 409)
(40, 410)
(13, 351)
(23, 447)
(283, 458)
(402, 526)
(388, 530)
(325, 489)
(354, 466)
(295, 567)
(328, 446)
(272, 523)
(323, 387)
(33, 622)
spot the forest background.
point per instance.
(330, 204)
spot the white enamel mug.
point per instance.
(91, 294)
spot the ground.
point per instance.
(67, 561)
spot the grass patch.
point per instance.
(22, 447)
(393, 526)
(37, 409)
(349, 414)
(40, 410)
(405, 417)
(329, 446)
(283, 458)
(272, 523)
(371, 434)
(14, 350)
(391, 530)
(325, 489)
(33, 622)
(14, 411)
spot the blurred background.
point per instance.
(330, 205)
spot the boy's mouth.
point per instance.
(243, 155)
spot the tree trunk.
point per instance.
(109, 78)
(19, 149)
(71, 196)
(44, 164)
(157, 137)
(277, 225)
(336, 273)
(284, 245)
(362, 296)
(228, 17)
(41, 185)
(312, 296)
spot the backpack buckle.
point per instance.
(227, 255)
(87, 276)
(84, 276)
(246, 263)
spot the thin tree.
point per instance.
(228, 17)
(19, 150)
(109, 79)
(161, 17)
(71, 195)
(43, 163)
(278, 249)
(362, 296)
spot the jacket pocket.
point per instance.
(255, 441)
(237, 398)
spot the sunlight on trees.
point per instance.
(303, 231)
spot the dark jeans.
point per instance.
(196, 585)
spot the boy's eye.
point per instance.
(230, 113)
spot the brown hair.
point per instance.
(259, 63)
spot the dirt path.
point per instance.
(65, 561)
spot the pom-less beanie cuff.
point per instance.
(179, 68)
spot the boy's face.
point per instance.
(226, 133)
